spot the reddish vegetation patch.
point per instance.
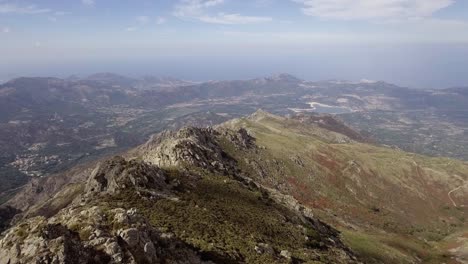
(453, 245)
(326, 162)
(320, 203)
(333, 167)
(298, 185)
(305, 194)
(435, 190)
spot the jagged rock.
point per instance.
(241, 138)
(45, 241)
(298, 161)
(130, 236)
(121, 216)
(119, 174)
(189, 146)
(55, 243)
(150, 250)
(263, 248)
(285, 254)
(112, 248)
(290, 202)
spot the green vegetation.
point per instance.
(400, 194)
(392, 249)
(220, 216)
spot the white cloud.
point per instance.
(263, 3)
(194, 8)
(16, 9)
(6, 30)
(61, 13)
(233, 19)
(56, 15)
(197, 9)
(143, 20)
(88, 2)
(372, 9)
(161, 20)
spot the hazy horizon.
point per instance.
(420, 44)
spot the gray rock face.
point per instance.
(241, 138)
(81, 233)
(189, 146)
(285, 254)
(130, 236)
(53, 243)
(118, 174)
(263, 248)
(64, 239)
(150, 250)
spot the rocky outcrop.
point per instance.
(117, 174)
(93, 235)
(241, 138)
(189, 146)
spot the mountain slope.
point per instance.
(334, 163)
(365, 190)
(177, 198)
(250, 190)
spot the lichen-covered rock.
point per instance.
(263, 248)
(285, 254)
(119, 174)
(240, 138)
(38, 241)
(189, 146)
(131, 236)
(85, 235)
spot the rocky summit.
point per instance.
(259, 189)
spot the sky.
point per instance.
(416, 43)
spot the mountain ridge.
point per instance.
(49, 125)
(296, 168)
(185, 148)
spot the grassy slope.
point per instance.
(392, 199)
(225, 220)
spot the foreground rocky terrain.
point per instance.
(260, 189)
